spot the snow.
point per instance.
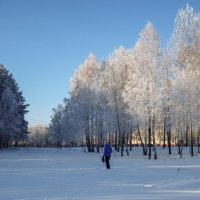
(71, 174)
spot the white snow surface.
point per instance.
(71, 174)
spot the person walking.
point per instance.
(107, 154)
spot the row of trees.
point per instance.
(145, 92)
(38, 136)
(13, 126)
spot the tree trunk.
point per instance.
(122, 145)
(127, 152)
(149, 137)
(130, 141)
(118, 121)
(144, 150)
(186, 136)
(153, 132)
(181, 148)
(164, 133)
(116, 140)
(198, 140)
(155, 153)
(169, 141)
(1, 141)
(191, 141)
(88, 142)
(169, 136)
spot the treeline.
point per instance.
(146, 93)
(13, 126)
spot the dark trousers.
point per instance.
(107, 158)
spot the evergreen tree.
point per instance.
(13, 126)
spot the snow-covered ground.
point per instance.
(71, 174)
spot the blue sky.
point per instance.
(43, 42)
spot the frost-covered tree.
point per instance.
(55, 128)
(38, 136)
(84, 92)
(143, 87)
(140, 89)
(186, 28)
(166, 101)
(69, 124)
(13, 126)
(116, 78)
(63, 128)
(185, 47)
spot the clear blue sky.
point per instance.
(42, 42)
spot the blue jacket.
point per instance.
(107, 150)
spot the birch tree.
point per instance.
(117, 78)
(183, 42)
(84, 92)
(142, 89)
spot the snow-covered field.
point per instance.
(71, 174)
